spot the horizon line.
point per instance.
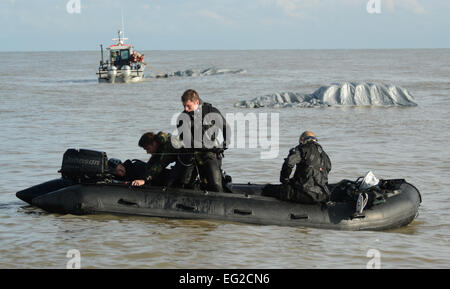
(239, 49)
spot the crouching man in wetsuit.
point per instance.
(163, 153)
(309, 185)
(198, 126)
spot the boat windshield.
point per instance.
(120, 57)
(124, 54)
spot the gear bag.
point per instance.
(82, 164)
(349, 191)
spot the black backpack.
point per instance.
(348, 191)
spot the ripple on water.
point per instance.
(42, 118)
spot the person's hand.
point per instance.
(138, 183)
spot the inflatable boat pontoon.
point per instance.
(248, 203)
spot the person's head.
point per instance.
(116, 166)
(307, 136)
(190, 100)
(120, 170)
(148, 142)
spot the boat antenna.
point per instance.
(101, 48)
(121, 32)
(123, 27)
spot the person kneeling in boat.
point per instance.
(163, 154)
(309, 185)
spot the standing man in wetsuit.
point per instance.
(199, 126)
(309, 184)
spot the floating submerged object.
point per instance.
(344, 94)
(248, 203)
(197, 73)
(206, 72)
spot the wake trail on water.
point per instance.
(337, 94)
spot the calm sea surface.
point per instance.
(51, 101)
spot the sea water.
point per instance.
(51, 101)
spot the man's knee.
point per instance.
(290, 193)
(211, 175)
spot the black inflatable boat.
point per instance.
(248, 203)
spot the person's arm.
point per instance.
(225, 127)
(155, 167)
(150, 169)
(327, 162)
(146, 175)
(289, 163)
(185, 127)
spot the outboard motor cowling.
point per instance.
(84, 164)
(126, 72)
(112, 73)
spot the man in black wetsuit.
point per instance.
(309, 184)
(199, 125)
(163, 153)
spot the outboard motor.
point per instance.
(80, 165)
(126, 72)
(112, 73)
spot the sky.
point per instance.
(65, 25)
